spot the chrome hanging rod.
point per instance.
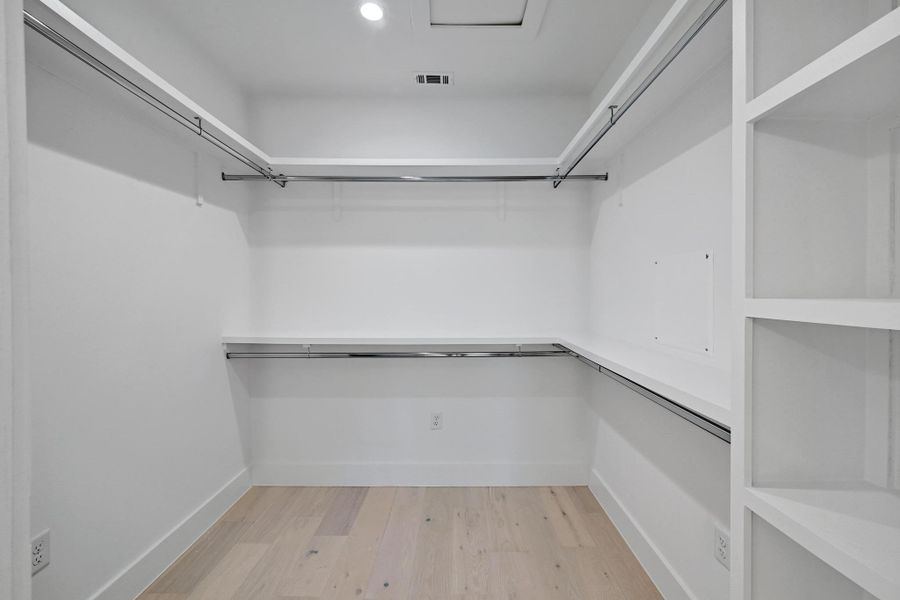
(715, 428)
(194, 124)
(723, 432)
(618, 111)
(400, 354)
(409, 178)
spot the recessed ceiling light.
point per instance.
(371, 11)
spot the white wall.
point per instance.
(420, 260)
(664, 481)
(367, 422)
(668, 194)
(135, 424)
(429, 126)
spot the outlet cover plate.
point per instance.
(40, 551)
(722, 548)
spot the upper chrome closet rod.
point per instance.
(409, 178)
(618, 112)
(195, 125)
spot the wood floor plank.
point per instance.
(342, 511)
(223, 581)
(392, 572)
(313, 501)
(432, 565)
(555, 576)
(593, 574)
(276, 515)
(184, 575)
(311, 567)
(568, 523)
(263, 581)
(584, 499)
(501, 522)
(248, 506)
(350, 576)
(625, 569)
(512, 577)
(471, 544)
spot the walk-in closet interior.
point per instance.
(450, 300)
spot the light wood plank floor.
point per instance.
(409, 543)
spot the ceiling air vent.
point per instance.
(434, 78)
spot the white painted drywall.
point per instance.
(135, 421)
(452, 260)
(669, 193)
(427, 126)
(367, 422)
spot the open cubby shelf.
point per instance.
(800, 43)
(816, 405)
(855, 529)
(785, 570)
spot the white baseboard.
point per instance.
(667, 581)
(421, 474)
(135, 578)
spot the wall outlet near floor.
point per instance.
(722, 550)
(40, 551)
(437, 421)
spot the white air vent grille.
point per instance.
(434, 78)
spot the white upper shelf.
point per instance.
(698, 387)
(56, 14)
(857, 79)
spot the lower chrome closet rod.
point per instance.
(409, 178)
(510, 354)
(667, 60)
(137, 91)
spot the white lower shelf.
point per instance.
(696, 386)
(854, 528)
(700, 387)
(882, 313)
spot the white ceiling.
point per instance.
(324, 47)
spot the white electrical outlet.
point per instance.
(722, 550)
(437, 421)
(40, 551)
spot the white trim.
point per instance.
(664, 576)
(528, 30)
(420, 474)
(141, 572)
(15, 409)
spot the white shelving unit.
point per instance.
(815, 434)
